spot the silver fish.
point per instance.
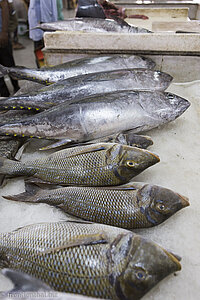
(78, 67)
(93, 165)
(124, 138)
(9, 146)
(92, 25)
(83, 86)
(130, 206)
(89, 259)
(101, 115)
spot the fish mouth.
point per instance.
(184, 200)
(155, 156)
(174, 258)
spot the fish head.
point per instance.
(158, 203)
(177, 104)
(163, 106)
(132, 161)
(145, 264)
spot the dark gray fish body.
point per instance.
(27, 287)
(92, 25)
(102, 164)
(130, 206)
(8, 145)
(87, 85)
(101, 115)
(89, 259)
(78, 67)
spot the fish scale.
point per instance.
(133, 205)
(95, 165)
(70, 266)
(90, 259)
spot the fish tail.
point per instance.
(11, 167)
(3, 71)
(27, 196)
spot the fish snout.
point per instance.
(184, 200)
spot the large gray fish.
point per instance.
(89, 259)
(87, 85)
(93, 165)
(92, 25)
(27, 287)
(101, 115)
(130, 206)
(124, 138)
(9, 146)
(78, 67)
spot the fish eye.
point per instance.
(140, 274)
(130, 163)
(160, 206)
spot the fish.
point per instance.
(28, 287)
(101, 115)
(9, 146)
(49, 75)
(94, 165)
(87, 85)
(94, 260)
(124, 138)
(130, 206)
(92, 25)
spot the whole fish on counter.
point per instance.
(29, 288)
(92, 25)
(124, 138)
(83, 86)
(101, 115)
(94, 165)
(9, 146)
(78, 67)
(89, 259)
(130, 206)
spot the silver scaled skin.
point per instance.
(91, 165)
(89, 259)
(129, 206)
(86, 85)
(92, 25)
(101, 115)
(78, 67)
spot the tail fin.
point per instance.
(3, 71)
(23, 282)
(27, 196)
(10, 167)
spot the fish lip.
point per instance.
(175, 258)
(184, 200)
(154, 155)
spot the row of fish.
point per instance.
(79, 256)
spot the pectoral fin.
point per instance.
(79, 240)
(58, 144)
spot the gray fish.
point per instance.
(93, 165)
(129, 206)
(124, 138)
(92, 25)
(30, 288)
(9, 146)
(101, 115)
(78, 67)
(89, 259)
(83, 86)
